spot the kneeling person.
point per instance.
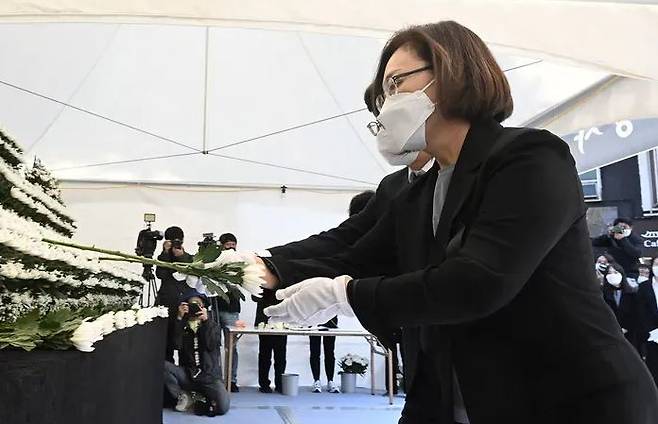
(197, 340)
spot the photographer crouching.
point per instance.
(197, 339)
(171, 289)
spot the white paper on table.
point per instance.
(653, 336)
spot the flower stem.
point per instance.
(125, 257)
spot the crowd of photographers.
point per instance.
(630, 287)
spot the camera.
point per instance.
(208, 240)
(194, 309)
(147, 239)
(617, 229)
(177, 243)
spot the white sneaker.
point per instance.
(184, 402)
(332, 388)
(317, 387)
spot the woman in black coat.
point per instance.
(502, 317)
(622, 300)
(648, 316)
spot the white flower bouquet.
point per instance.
(353, 364)
(213, 271)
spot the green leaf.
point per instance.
(208, 253)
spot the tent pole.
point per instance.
(204, 149)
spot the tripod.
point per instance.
(150, 290)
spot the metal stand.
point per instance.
(150, 291)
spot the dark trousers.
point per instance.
(396, 367)
(424, 397)
(652, 359)
(329, 344)
(177, 381)
(266, 346)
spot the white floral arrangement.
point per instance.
(353, 364)
(274, 326)
(47, 290)
(91, 331)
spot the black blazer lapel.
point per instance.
(479, 141)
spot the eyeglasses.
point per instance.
(374, 127)
(392, 84)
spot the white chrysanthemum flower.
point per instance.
(144, 315)
(120, 320)
(130, 317)
(88, 333)
(107, 322)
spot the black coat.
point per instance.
(504, 294)
(626, 251)
(626, 312)
(647, 309)
(170, 290)
(208, 335)
(351, 230)
(268, 299)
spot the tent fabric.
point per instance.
(613, 36)
(278, 107)
(621, 99)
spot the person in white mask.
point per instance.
(622, 244)
(622, 300)
(648, 314)
(644, 273)
(601, 267)
(492, 282)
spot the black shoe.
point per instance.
(235, 388)
(278, 390)
(212, 409)
(265, 389)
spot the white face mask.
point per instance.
(402, 119)
(601, 267)
(641, 279)
(614, 279)
(627, 232)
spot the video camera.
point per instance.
(617, 229)
(208, 240)
(147, 239)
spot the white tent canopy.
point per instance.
(141, 103)
(566, 30)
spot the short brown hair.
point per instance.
(469, 83)
(369, 100)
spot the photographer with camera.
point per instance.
(171, 289)
(624, 246)
(229, 312)
(197, 339)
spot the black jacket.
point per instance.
(170, 289)
(647, 309)
(268, 299)
(626, 251)
(209, 336)
(351, 230)
(626, 312)
(504, 294)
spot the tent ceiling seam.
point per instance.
(335, 100)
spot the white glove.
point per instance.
(312, 302)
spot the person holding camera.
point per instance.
(171, 289)
(197, 339)
(624, 246)
(229, 312)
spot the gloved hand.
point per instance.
(312, 302)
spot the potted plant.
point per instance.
(350, 366)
